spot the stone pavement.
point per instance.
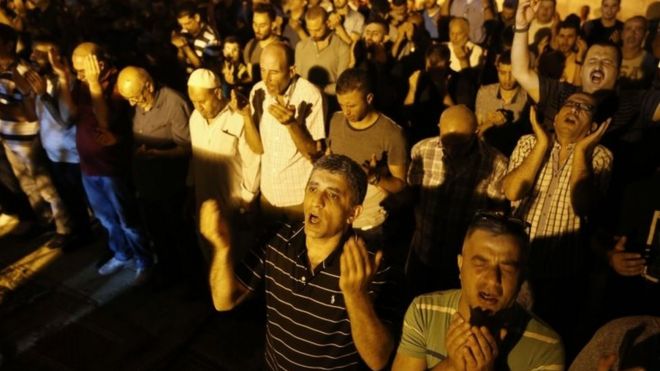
(57, 313)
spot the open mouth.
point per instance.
(570, 120)
(313, 219)
(488, 299)
(597, 76)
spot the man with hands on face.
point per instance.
(102, 138)
(330, 299)
(481, 326)
(288, 110)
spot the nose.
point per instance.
(493, 277)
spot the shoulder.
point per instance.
(388, 124)
(490, 89)
(542, 341)
(439, 303)
(425, 144)
(288, 232)
(171, 95)
(305, 89)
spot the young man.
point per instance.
(328, 296)
(368, 137)
(606, 28)
(197, 43)
(481, 326)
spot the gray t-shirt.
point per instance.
(383, 137)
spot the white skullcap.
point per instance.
(203, 78)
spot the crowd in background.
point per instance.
(377, 142)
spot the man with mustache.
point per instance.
(555, 182)
(600, 71)
(481, 326)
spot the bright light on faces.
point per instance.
(317, 28)
(191, 24)
(546, 11)
(609, 9)
(600, 69)
(374, 34)
(354, 104)
(327, 205)
(262, 26)
(574, 119)
(566, 39)
(231, 51)
(490, 270)
(206, 101)
(505, 77)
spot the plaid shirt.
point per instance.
(555, 227)
(450, 195)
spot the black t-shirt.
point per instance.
(594, 31)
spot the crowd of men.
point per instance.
(494, 171)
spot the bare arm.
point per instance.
(403, 362)
(526, 77)
(584, 191)
(393, 182)
(226, 290)
(297, 130)
(252, 136)
(519, 181)
(372, 339)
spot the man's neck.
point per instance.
(608, 22)
(318, 249)
(631, 52)
(507, 95)
(367, 121)
(265, 42)
(343, 11)
(322, 44)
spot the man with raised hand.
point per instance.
(329, 297)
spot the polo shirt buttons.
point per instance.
(303, 279)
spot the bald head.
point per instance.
(458, 126)
(81, 53)
(276, 64)
(458, 120)
(136, 86)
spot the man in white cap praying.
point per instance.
(225, 146)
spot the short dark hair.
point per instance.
(377, 19)
(504, 57)
(571, 21)
(500, 223)
(350, 170)
(8, 35)
(265, 8)
(609, 44)
(353, 79)
(187, 9)
(231, 39)
(437, 51)
(316, 12)
(399, 2)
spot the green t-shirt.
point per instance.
(427, 321)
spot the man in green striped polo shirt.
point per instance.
(481, 326)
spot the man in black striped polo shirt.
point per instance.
(198, 44)
(330, 300)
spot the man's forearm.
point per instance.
(226, 290)
(583, 190)
(391, 184)
(67, 107)
(519, 181)
(252, 136)
(372, 339)
(303, 140)
(527, 78)
(191, 56)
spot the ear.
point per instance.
(355, 212)
(218, 93)
(370, 97)
(459, 260)
(292, 70)
(197, 17)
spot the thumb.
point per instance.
(621, 244)
(503, 333)
(373, 161)
(378, 258)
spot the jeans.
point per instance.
(115, 207)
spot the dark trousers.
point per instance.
(12, 199)
(68, 182)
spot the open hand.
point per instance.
(541, 135)
(625, 263)
(36, 82)
(588, 143)
(526, 12)
(357, 267)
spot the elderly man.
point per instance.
(453, 175)
(161, 142)
(323, 56)
(288, 111)
(102, 138)
(225, 145)
(464, 53)
(554, 183)
(197, 43)
(329, 298)
(368, 137)
(481, 326)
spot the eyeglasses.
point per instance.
(517, 225)
(583, 107)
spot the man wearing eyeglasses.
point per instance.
(481, 326)
(161, 142)
(554, 183)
